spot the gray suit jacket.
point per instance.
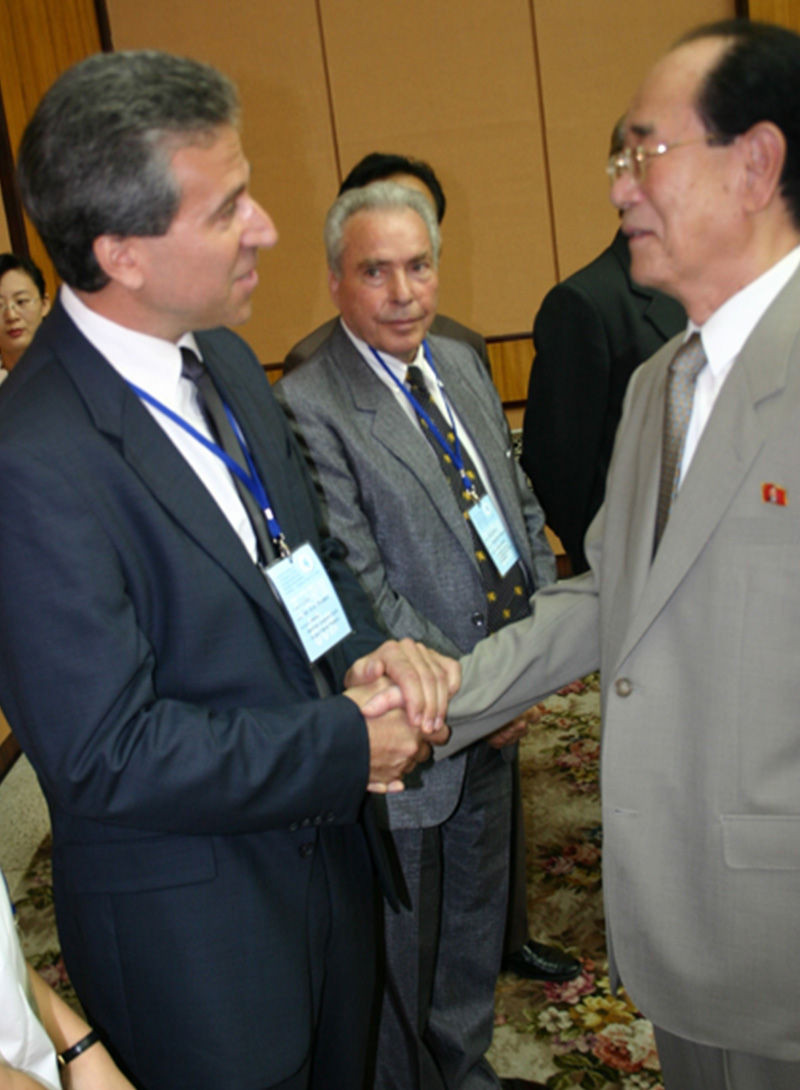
(442, 327)
(701, 718)
(385, 496)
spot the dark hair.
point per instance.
(11, 263)
(379, 166)
(95, 157)
(757, 78)
(617, 137)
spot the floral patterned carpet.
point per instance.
(576, 1034)
(559, 1035)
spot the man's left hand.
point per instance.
(515, 730)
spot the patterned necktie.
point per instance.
(505, 595)
(220, 426)
(686, 365)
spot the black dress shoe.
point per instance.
(521, 1084)
(535, 961)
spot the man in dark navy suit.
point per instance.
(189, 664)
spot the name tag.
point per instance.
(310, 600)
(490, 529)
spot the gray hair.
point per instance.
(95, 157)
(377, 197)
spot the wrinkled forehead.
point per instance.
(664, 107)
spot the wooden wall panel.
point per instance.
(5, 241)
(273, 51)
(511, 365)
(511, 101)
(39, 39)
(455, 83)
(592, 58)
(784, 12)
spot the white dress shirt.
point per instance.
(154, 365)
(724, 335)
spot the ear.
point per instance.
(765, 153)
(45, 304)
(118, 257)
(333, 287)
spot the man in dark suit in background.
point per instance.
(383, 167)
(592, 331)
(163, 664)
(361, 407)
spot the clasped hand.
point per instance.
(402, 690)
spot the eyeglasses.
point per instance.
(21, 304)
(637, 160)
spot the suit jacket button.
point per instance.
(477, 620)
(294, 826)
(306, 850)
(623, 686)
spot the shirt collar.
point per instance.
(149, 362)
(726, 331)
(396, 366)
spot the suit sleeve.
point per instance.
(157, 704)
(331, 468)
(567, 399)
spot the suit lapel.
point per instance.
(268, 445)
(118, 413)
(393, 431)
(727, 449)
(469, 401)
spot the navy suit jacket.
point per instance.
(164, 700)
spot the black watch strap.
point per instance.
(72, 1053)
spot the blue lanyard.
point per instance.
(250, 480)
(454, 452)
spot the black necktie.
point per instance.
(220, 427)
(505, 594)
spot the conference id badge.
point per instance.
(490, 529)
(305, 590)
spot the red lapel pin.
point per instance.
(771, 493)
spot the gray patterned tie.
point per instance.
(686, 365)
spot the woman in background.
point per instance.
(23, 304)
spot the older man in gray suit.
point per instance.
(406, 436)
(692, 603)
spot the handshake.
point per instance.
(402, 689)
